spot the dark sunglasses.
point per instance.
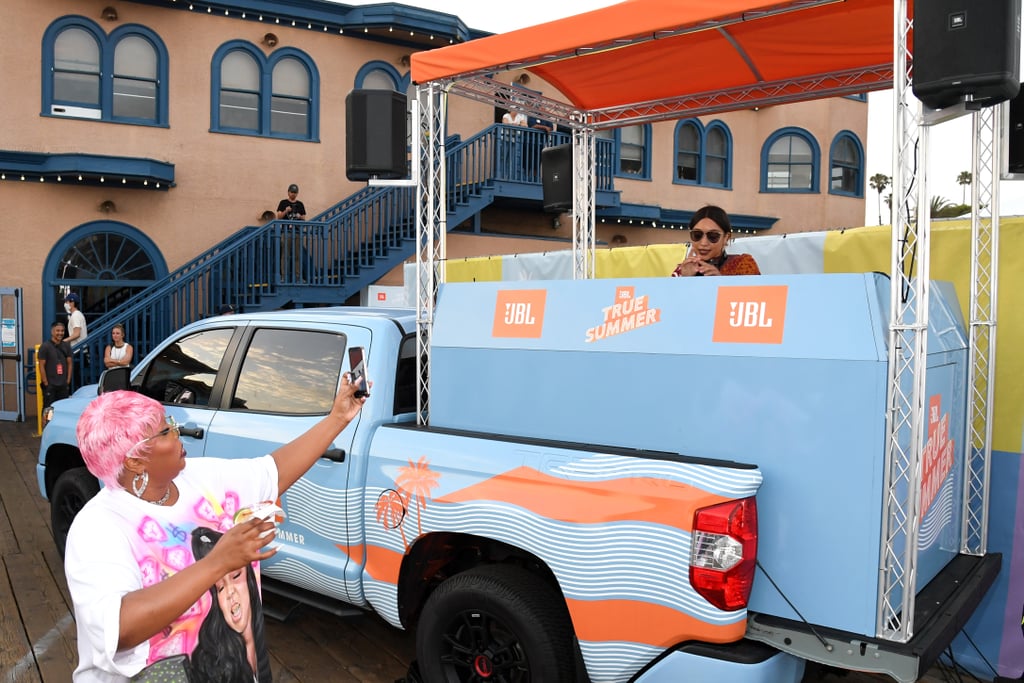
(698, 235)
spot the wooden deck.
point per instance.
(37, 629)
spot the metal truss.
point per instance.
(908, 340)
(431, 229)
(489, 91)
(818, 86)
(584, 191)
(985, 168)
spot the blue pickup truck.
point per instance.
(632, 480)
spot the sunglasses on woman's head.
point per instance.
(698, 235)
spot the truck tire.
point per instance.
(72, 491)
(495, 623)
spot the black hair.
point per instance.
(715, 213)
(219, 656)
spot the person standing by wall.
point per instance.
(54, 366)
(513, 143)
(291, 208)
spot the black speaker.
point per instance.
(556, 177)
(1015, 134)
(375, 135)
(966, 48)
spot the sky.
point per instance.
(950, 142)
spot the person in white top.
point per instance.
(140, 590)
(118, 353)
(77, 330)
(514, 117)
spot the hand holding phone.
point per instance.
(357, 362)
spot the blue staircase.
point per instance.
(330, 258)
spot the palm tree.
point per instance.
(879, 182)
(964, 179)
(416, 481)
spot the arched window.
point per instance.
(105, 262)
(717, 155)
(87, 74)
(632, 150)
(846, 164)
(135, 79)
(689, 141)
(378, 75)
(275, 96)
(789, 162)
(703, 155)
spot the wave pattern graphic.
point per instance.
(939, 516)
(307, 503)
(610, 561)
(728, 482)
(296, 573)
(384, 598)
(615, 662)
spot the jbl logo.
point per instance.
(750, 315)
(519, 313)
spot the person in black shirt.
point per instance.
(54, 362)
(291, 208)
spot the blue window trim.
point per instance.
(688, 123)
(702, 152)
(75, 235)
(859, 97)
(107, 45)
(717, 125)
(847, 135)
(400, 81)
(266, 67)
(646, 154)
(815, 161)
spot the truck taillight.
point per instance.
(723, 552)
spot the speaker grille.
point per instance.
(966, 48)
(375, 134)
(556, 175)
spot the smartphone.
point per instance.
(357, 364)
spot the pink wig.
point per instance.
(110, 426)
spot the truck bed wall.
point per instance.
(785, 372)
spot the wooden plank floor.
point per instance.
(37, 630)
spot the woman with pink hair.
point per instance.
(139, 591)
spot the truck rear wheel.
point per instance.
(495, 623)
(72, 491)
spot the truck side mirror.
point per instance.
(114, 379)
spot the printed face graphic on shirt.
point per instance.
(233, 597)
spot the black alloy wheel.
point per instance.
(496, 624)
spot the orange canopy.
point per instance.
(689, 52)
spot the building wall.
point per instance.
(224, 182)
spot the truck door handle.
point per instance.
(194, 432)
(335, 454)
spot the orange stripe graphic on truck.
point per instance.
(641, 499)
(644, 622)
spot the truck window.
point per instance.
(293, 372)
(405, 377)
(185, 370)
